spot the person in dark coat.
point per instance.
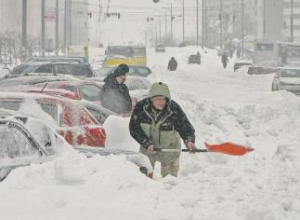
(158, 121)
(115, 94)
(172, 65)
(224, 60)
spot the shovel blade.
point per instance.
(228, 148)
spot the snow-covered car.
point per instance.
(264, 67)
(99, 112)
(25, 140)
(138, 87)
(240, 63)
(287, 78)
(86, 90)
(58, 59)
(70, 118)
(194, 58)
(34, 80)
(160, 48)
(133, 71)
(81, 70)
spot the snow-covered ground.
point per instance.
(223, 106)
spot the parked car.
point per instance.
(240, 63)
(58, 59)
(24, 141)
(264, 67)
(133, 71)
(72, 120)
(287, 78)
(160, 48)
(185, 44)
(34, 80)
(86, 90)
(194, 58)
(52, 68)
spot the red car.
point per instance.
(78, 90)
(74, 122)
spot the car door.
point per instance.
(17, 147)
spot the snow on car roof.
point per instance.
(290, 68)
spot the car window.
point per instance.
(51, 109)
(23, 69)
(10, 104)
(60, 69)
(45, 69)
(80, 71)
(70, 88)
(295, 73)
(14, 143)
(90, 92)
(97, 114)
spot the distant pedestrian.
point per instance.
(224, 60)
(115, 94)
(172, 65)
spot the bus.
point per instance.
(281, 53)
(130, 55)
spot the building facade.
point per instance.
(291, 7)
(77, 22)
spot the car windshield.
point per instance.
(14, 143)
(24, 69)
(79, 70)
(293, 73)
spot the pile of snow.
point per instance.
(223, 106)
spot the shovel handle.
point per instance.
(179, 150)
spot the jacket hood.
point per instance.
(120, 70)
(159, 89)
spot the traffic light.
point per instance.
(119, 15)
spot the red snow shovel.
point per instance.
(225, 148)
